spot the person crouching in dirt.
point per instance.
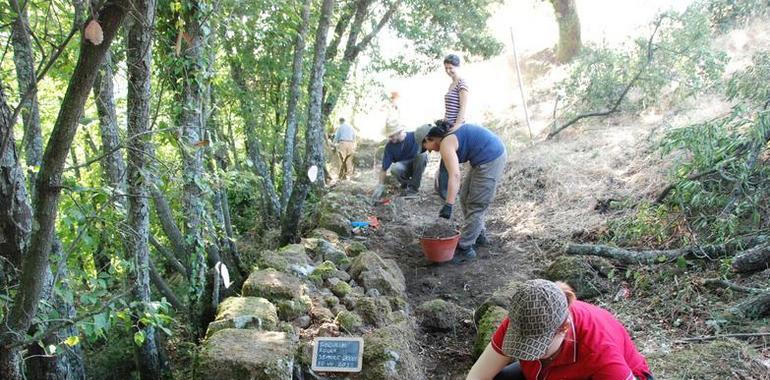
(486, 154)
(554, 336)
(404, 157)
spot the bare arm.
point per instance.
(448, 152)
(488, 365)
(382, 177)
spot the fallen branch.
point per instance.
(616, 105)
(627, 256)
(721, 336)
(752, 260)
(720, 283)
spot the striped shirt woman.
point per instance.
(455, 99)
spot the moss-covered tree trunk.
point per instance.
(569, 30)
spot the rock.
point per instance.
(333, 281)
(372, 292)
(350, 300)
(328, 329)
(331, 301)
(323, 271)
(355, 248)
(342, 275)
(586, 274)
(440, 315)
(349, 321)
(244, 313)
(341, 289)
(286, 258)
(291, 309)
(247, 354)
(388, 355)
(398, 303)
(375, 311)
(322, 233)
(335, 222)
(327, 251)
(486, 327)
(321, 314)
(272, 284)
(371, 271)
(302, 322)
(359, 290)
(501, 297)
(336, 309)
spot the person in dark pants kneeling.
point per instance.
(554, 336)
(404, 158)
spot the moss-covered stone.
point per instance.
(322, 233)
(273, 285)
(487, 324)
(244, 313)
(440, 315)
(355, 248)
(289, 258)
(398, 303)
(349, 322)
(586, 274)
(335, 222)
(247, 354)
(388, 354)
(291, 309)
(341, 289)
(331, 301)
(323, 271)
(372, 271)
(375, 311)
(501, 297)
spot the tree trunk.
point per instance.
(24, 59)
(755, 307)
(314, 139)
(104, 94)
(139, 63)
(48, 186)
(752, 260)
(167, 223)
(290, 137)
(353, 48)
(65, 365)
(15, 210)
(253, 146)
(569, 30)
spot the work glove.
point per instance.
(446, 211)
(377, 193)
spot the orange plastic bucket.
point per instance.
(439, 250)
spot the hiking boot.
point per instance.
(481, 240)
(463, 254)
(410, 191)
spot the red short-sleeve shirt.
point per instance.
(596, 347)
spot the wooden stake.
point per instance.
(521, 87)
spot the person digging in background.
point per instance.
(554, 336)
(345, 144)
(404, 158)
(486, 154)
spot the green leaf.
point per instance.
(681, 263)
(139, 338)
(72, 341)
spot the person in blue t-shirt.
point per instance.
(486, 154)
(403, 157)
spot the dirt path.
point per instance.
(445, 355)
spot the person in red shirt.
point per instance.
(554, 336)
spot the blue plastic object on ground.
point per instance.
(359, 224)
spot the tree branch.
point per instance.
(622, 94)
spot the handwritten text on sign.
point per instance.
(343, 354)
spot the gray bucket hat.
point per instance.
(420, 133)
(537, 310)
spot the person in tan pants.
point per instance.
(345, 142)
